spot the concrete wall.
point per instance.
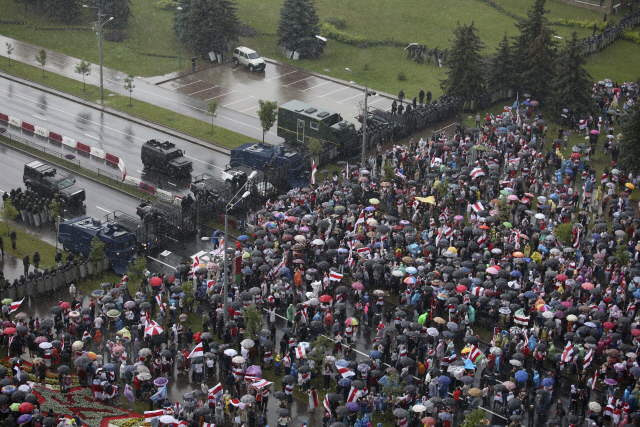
(607, 5)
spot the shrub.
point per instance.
(600, 26)
(166, 4)
(245, 30)
(631, 35)
(401, 76)
(116, 35)
(339, 23)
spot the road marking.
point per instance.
(313, 87)
(235, 102)
(377, 100)
(202, 161)
(281, 75)
(91, 136)
(139, 171)
(103, 209)
(175, 185)
(161, 262)
(250, 108)
(209, 88)
(351, 97)
(75, 116)
(219, 95)
(322, 96)
(237, 68)
(180, 87)
(38, 117)
(298, 81)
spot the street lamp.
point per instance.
(100, 24)
(230, 205)
(364, 118)
(179, 9)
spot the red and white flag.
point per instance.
(364, 250)
(196, 262)
(300, 352)
(595, 380)
(314, 169)
(346, 372)
(567, 353)
(152, 414)
(326, 403)
(477, 207)
(313, 399)
(216, 390)
(399, 175)
(196, 352)
(334, 275)
(360, 219)
(588, 359)
(261, 384)
(276, 270)
(477, 172)
(15, 306)
(475, 354)
(353, 395)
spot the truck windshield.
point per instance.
(253, 55)
(174, 154)
(65, 183)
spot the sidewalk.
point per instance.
(145, 90)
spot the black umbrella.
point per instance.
(342, 411)
(288, 379)
(333, 397)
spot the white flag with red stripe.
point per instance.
(360, 219)
(353, 395)
(346, 372)
(588, 359)
(15, 306)
(595, 379)
(334, 275)
(300, 352)
(477, 207)
(197, 351)
(261, 384)
(475, 354)
(364, 250)
(477, 172)
(314, 169)
(216, 390)
(152, 414)
(567, 353)
(326, 403)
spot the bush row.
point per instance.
(600, 26)
(331, 32)
(42, 27)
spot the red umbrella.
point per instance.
(291, 219)
(25, 407)
(287, 237)
(561, 277)
(635, 332)
(10, 331)
(172, 279)
(461, 288)
(65, 306)
(360, 236)
(429, 421)
(155, 281)
(608, 325)
(326, 298)
(587, 286)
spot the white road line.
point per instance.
(202, 161)
(281, 75)
(377, 100)
(91, 136)
(313, 87)
(218, 96)
(180, 87)
(298, 81)
(171, 183)
(161, 262)
(38, 117)
(322, 96)
(139, 171)
(103, 209)
(237, 68)
(75, 116)
(209, 88)
(199, 109)
(250, 108)
(235, 102)
(351, 97)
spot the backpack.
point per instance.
(298, 317)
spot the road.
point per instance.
(95, 128)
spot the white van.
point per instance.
(248, 58)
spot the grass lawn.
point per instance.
(27, 243)
(185, 124)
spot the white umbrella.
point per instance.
(299, 239)
(247, 343)
(419, 408)
(230, 352)
(433, 332)
(397, 273)
(314, 301)
(167, 419)
(318, 242)
(238, 359)
(45, 345)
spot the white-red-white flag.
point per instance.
(15, 306)
(477, 207)
(300, 352)
(334, 275)
(360, 219)
(314, 169)
(346, 372)
(197, 351)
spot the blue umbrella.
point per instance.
(595, 236)
(448, 334)
(443, 379)
(284, 270)
(344, 382)
(445, 416)
(637, 293)
(413, 248)
(547, 382)
(635, 371)
(375, 354)
(468, 364)
(247, 271)
(243, 238)
(369, 209)
(568, 171)
(109, 367)
(522, 376)
(342, 363)
(516, 273)
(527, 103)
(502, 129)
(530, 294)
(363, 367)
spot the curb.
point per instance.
(120, 114)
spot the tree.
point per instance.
(54, 211)
(564, 233)
(391, 385)
(120, 11)
(212, 107)
(67, 11)
(298, 27)
(96, 255)
(622, 255)
(129, 86)
(539, 65)
(253, 322)
(630, 143)
(267, 115)
(465, 76)
(8, 213)
(503, 71)
(189, 294)
(136, 269)
(529, 28)
(208, 25)
(9, 52)
(475, 418)
(83, 67)
(571, 83)
(41, 57)
(314, 146)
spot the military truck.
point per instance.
(45, 180)
(144, 231)
(165, 158)
(278, 166)
(119, 244)
(299, 121)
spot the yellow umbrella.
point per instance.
(452, 249)
(466, 350)
(374, 201)
(630, 186)
(430, 199)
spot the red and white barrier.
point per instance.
(15, 122)
(69, 142)
(4, 118)
(83, 147)
(111, 158)
(42, 132)
(28, 127)
(55, 137)
(97, 152)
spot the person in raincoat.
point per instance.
(471, 314)
(128, 394)
(291, 314)
(536, 379)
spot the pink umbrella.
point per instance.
(512, 197)
(587, 286)
(492, 270)
(118, 349)
(608, 325)
(509, 385)
(610, 381)
(595, 131)
(357, 285)
(304, 229)
(566, 304)
(458, 217)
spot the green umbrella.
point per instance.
(422, 319)
(14, 407)
(507, 224)
(7, 301)
(113, 313)
(479, 147)
(505, 192)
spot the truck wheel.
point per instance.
(65, 248)
(251, 68)
(235, 61)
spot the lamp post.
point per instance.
(100, 24)
(179, 8)
(230, 205)
(364, 118)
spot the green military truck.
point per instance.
(299, 121)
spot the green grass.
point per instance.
(27, 243)
(620, 62)
(185, 124)
(556, 10)
(150, 33)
